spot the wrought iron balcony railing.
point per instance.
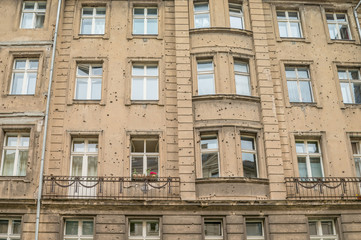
(60, 187)
(333, 188)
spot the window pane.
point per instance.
(29, 5)
(4, 226)
(295, 30)
(281, 15)
(152, 11)
(136, 229)
(81, 88)
(71, 228)
(39, 20)
(206, 84)
(31, 83)
(88, 227)
(9, 160)
(17, 86)
(327, 228)
(357, 92)
(329, 17)
(16, 226)
(138, 26)
(201, 7)
(92, 166)
(242, 85)
(358, 166)
(27, 21)
(354, 74)
(152, 89)
(341, 17)
(254, 229)
(282, 26)
(306, 91)
(77, 166)
(290, 73)
(152, 146)
(293, 91)
(213, 228)
(86, 26)
(346, 93)
(78, 146)
(209, 142)
(313, 228)
(152, 71)
(137, 164)
(152, 27)
(96, 89)
(138, 146)
(83, 70)
(20, 64)
(23, 159)
(302, 167)
(100, 11)
(344, 32)
(139, 11)
(41, 5)
(247, 143)
(316, 167)
(138, 71)
(333, 31)
(293, 15)
(249, 165)
(342, 74)
(210, 165)
(205, 66)
(300, 147)
(152, 229)
(312, 147)
(201, 21)
(152, 164)
(241, 67)
(33, 64)
(87, 11)
(236, 22)
(99, 26)
(92, 146)
(303, 73)
(97, 70)
(12, 141)
(137, 89)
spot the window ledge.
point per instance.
(226, 96)
(286, 39)
(15, 179)
(221, 30)
(91, 36)
(351, 105)
(87, 102)
(339, 41)
(145, 36)
(143, 102)
(303, 104)
(232, 180)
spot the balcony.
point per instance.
(327, 188)
(120, 188)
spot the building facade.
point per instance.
(180, 119)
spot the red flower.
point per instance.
(153, 173)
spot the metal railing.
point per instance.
(60, 187)
(333, 188)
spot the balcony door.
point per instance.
(356, 151)
(84, 161)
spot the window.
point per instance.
(145, 21)
(144, 82)
(338, 26)
(84, 157)
(210, 158)
(205, 76)
(92, 20)
(289, 24)
(309, 158)
(241, 75)
(213, 229)
(350, 82)
(144, 155)
(25, 71)
(10, 229)
(299, 84)
(79, 229)
(88, 82)
(322, 229)
(144, 229)
(201, 15)
(255, 230)
(15, 154)
(236, 16)
(33, 14)
(356, 151)
(249, 157)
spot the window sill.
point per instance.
(19, 95)
(145, 36)
(143, 102)
(351, 105)
(340, 41)
(221, 30)
(91, 36)
(286, 39)
(303, 104)
(15, 179)
(226, 96)
(87, 102)
(232, 180)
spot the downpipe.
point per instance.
(40, 190)
(356, 18)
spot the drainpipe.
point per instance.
(356, 17)
(40, 190)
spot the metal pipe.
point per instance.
(356, 18)
(46, 123)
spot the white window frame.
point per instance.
(80, 230)
(247, 74)
(288, 22)
(319, 230)
(350, 83)
(357, 156)
(145, 18)
(10, 235)
(337, 23)
(144, 229)
(17, 149)
(255, 237)
(84, 154)
(35, 11)
(308, 155)
(93, 17)
(212, 237)
(207, 72)
(298, 80)
(145, 77)
(212, 150)
(26, 71)
(201, 12)
(89, 79)
(145, 154)
(254, 151)
(239, 15)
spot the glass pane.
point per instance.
(281, 15)
(92, 166)
(355, 147)
(83, 70)
(152, 229)
(29, 5)
(71, 228)
(87, 11)
(16, 226)
(357, 92)
(201, 21)
(4, 226)
(206, 84)
(77, 166)
(152, 71)
(342, 74)
(138, 26)
(138, 71)
(138, 146)
(303, 73)
(137, 165)
(27, 21)
(9, 161)
(152, 11)
(23, 157)
(137, 89)
(86, 26)
(306, 91)
(96, 89)
(139, 11)
(99, 26)
(31, 83)
(302, 167)
(249, 165)
(213, 228)
(316, 167)
(88, 227)
(330, 17)
(254, 229)
(33, 64)
(312, 147)
(152, 89)
(295, 30)
(136, 229)
(201, 7)
(236, 22)
(81, 88)
(344, 32)
(78, 146)
(247, 143)
(354, 74)
(293, 15)
(152, 146)
(152, 164)
(290, 73)
(282, 27)
(12, 141)
(210, 165)
(92, 146)
(293, 91)
(41, 5)
(333, 31)
(205, 66)
(39, 20)
(241, 67)
(152, 26)
(313, 228)
(346, 93)
(300, 147)
(17, 86)
(341, 17)
(100, 11)
(358, 166)
(20, 64)
(242, 85)
(327, 228)
(97, 70)
(209, 142)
